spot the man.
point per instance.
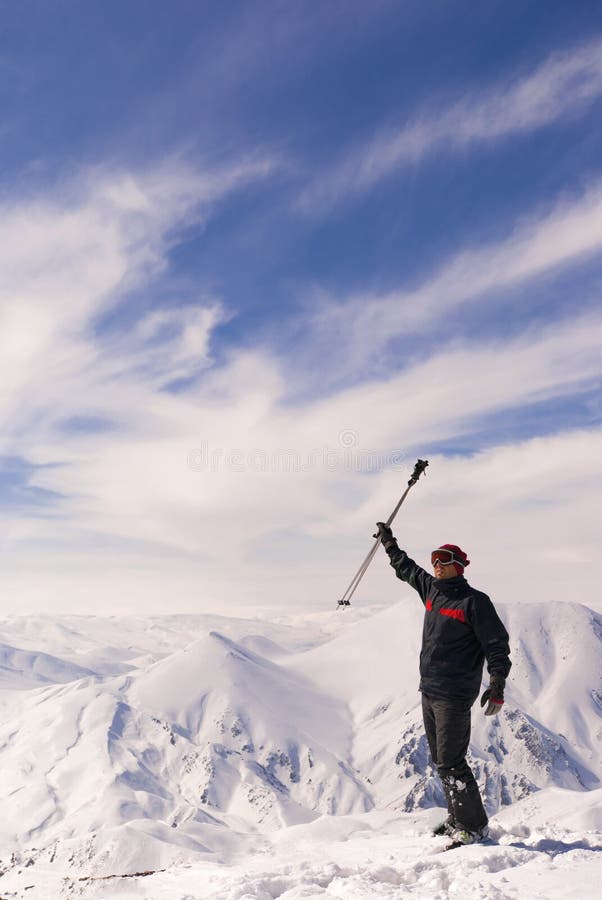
(461, 630)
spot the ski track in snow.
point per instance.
(206, 758)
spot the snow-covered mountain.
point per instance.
(129, 745)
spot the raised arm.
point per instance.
(405, 568)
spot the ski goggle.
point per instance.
(445, 557)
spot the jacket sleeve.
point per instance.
(491, 634)
(407, 570)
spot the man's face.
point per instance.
(444, 571)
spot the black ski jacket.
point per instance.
(461, 630)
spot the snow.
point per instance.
(246, 758)
(378, 855)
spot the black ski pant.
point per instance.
(447, 726)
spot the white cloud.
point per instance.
(557, 239)
(447, 393)
(236, 530)
(561, 87)
(163, 347)
(71, 255)
(138, 527)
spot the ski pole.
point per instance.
(345, 600)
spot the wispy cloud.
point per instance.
(136, 485)
(565, 85)
(164, 347)
(71, 255)
(131, 513)
(449, 393)
(558, 238)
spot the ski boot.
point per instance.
(461, 837)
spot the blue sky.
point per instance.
(258, 226)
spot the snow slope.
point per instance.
(245, 748)
(548, 848)
(22, 669)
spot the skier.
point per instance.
(461, 630)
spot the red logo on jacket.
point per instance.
(446, 611)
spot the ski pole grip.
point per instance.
(419, 468)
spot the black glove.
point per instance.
(494, 695)
(385, 534)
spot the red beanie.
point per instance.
(460, 560)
